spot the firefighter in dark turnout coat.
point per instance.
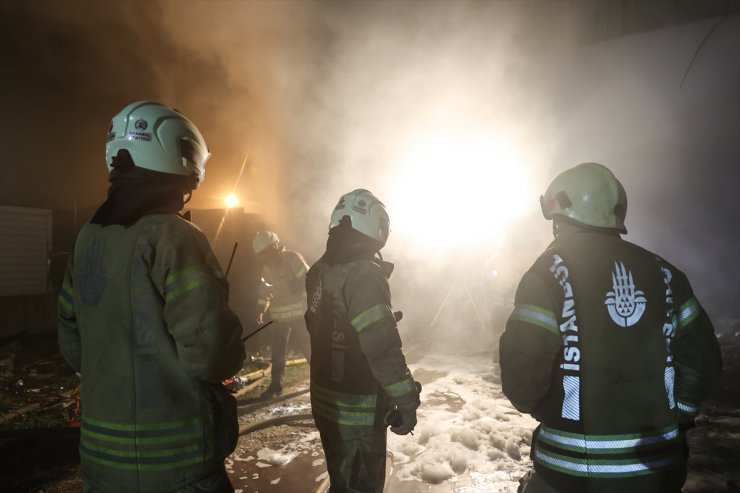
(282, 300)
(143, 318)
(607, 347)
(358, 371)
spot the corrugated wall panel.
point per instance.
(25, 243)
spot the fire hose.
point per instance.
(278, 420)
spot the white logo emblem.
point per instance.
(626, 304)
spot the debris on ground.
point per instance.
(469, 438)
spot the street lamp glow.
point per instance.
(231, 200)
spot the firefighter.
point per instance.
(143, 317)
(607, 347)
(283, 301)
(358, 371)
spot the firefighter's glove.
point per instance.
(403, 418)
(685, 426)
(407, 421)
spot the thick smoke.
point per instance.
(318, 98)
(661, 109)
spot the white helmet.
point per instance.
(587, 194)
(366, 212)
(158, 138)
(263, 240)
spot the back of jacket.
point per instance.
(609, 349)
(143, 317)
(357, 366)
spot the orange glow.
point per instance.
(231, 200)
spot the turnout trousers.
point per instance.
(356, 465)
(280, 335)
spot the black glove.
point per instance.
(402, 420)
(407, 421)
(683, 427)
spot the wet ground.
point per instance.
(288, 457)
(284, 457)
(469, 440)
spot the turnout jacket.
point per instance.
(143, 317)
(282, 285)
(609, 349)
(357, 367)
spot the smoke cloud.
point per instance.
(318, 98)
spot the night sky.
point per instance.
(322, 97)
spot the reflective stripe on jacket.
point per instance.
(608, 348)
(143, 317)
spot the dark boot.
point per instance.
(276, 385)
(274, 390)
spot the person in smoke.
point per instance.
(358, 370)
(607, 347)
(143, 317)
(283, 301)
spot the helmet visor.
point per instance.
(194, 153)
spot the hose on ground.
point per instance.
(255, 406)
(261, 425)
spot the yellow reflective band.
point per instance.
(143, 467)
(139, 452)
(67, 288)
(370, 316)
(344, 399)
(286, 308)
(182, 282)
(66, 297)
(287, 312)
(164, 426)
(401, 388)
(66, 305)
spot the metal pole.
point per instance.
(228, 268)
(253, 333)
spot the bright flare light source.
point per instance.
(231, 200)
(458, 190)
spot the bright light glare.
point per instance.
(231, 200)
(460, 189)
